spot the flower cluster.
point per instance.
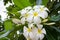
(33, 32)
(34, 16)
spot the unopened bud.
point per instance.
(45, 20)
(16, 21)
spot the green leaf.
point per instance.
(57, 29)
(55, 18)
(13, 11)
(51, 34)
(22, 3)
(44, 2)
(5, 34)
(4, 38)
(8, 25)
(33, 2)
(57, 6)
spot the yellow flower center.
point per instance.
(29, 29)
(35, 14)
(39, 31)
(41, 9)
(26, 15)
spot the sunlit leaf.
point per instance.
(8, 25)
(21, 3)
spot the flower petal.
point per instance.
(25, 33)
(23, 20)
(43, 31)
(37, 20)
(30, 19)
(41, 36)
(39, 26)
(43, 14)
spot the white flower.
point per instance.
(27, 17)
(41, 10)
(34, 17)
(27, 31)
(40, 32)
(25, 14)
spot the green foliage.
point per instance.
(22, 3)
(55, 18)
(8, 25)
(13, 11)
(3, 39)
(44, 2)
(33, 2)
(54, 30)
(51, 34)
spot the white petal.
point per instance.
(41, 36)
(43, 14)
(39, 26)
(23, 20)
(25, 33)
(25, 29)
(30, 25)
(34, 33)
(43, 31)
(37, 20)
(46, 9)
(23, 11)
(30, 12)
(30, 19)
(31, 35)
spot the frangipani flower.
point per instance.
(34, 17)
(27, 31)
(41, 10)
(25, 14)
(40, 32)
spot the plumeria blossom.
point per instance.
(34, 16)
(34, 33)
(42, 10)
(27, 32)
(40, 32)
(25, 15)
